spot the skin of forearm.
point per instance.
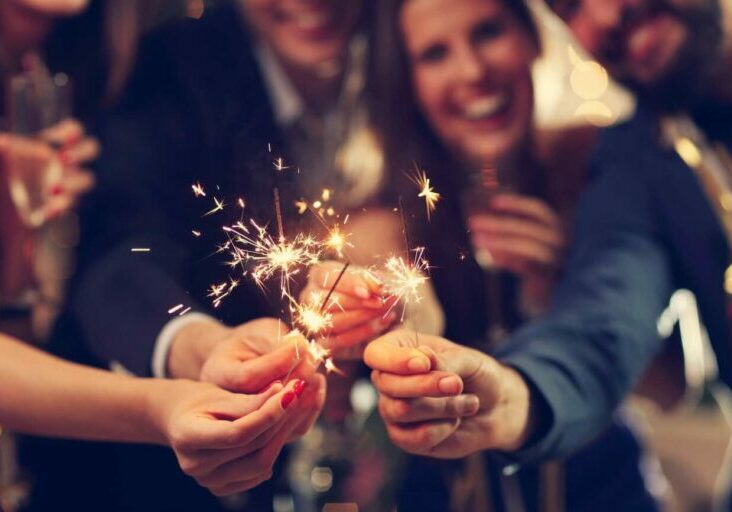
(192, 346)
(48, 396)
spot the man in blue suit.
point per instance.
(654, 218)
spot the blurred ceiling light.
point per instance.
(596, 113)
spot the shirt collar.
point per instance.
(287, 104)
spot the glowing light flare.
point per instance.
(219, 206)
(403, 279)
(198, 190)
(426, 190)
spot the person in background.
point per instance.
(214, 100)
(652, 220)
(465, 104)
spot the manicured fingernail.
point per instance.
(299, 387)
(419, 364)
(57, 190)
(65, 157)
(450, 385)
(73, 138)
(467, 405)
(287, 399)
(362, 292)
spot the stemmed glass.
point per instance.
(483, 186)
(36, 100)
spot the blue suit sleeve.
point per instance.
(585, 355)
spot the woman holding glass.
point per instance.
(452, 81)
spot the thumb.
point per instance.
(396, 352)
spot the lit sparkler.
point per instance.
(403, 279)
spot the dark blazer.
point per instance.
(196, 110)
(602, 477)
(645, 228)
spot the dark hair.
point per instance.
(97, 49)
(404, 133)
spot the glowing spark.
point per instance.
(310, 317)
(219, 207)
(196, 233)
(279, 164)
(325, 196)
(218, 292)
(426, 191)
(175, 308)
(302, 206)
(403, 279)
(337, 241)
(242, 203)
(140, 249)
(269, 257)
(184, 311)
(198, 190)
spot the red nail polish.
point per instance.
(287, 399)
(65, 157)
(299, 387)
(73, 139)
(57, 190)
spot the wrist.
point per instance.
(516, 417)
(157, 415)
(191, 348)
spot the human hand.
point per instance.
(227, 442)
(247, 359)
(359, 310)
(524, 236)
(445, 400)
(67, 142)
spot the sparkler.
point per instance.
(404, 277)
(198, 190)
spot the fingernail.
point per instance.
(287, 399)
(57, 190)
(73, 138)
(299, 387)
(468, 405)
(271, 385)
(362, 292)
(65, 157)
(419, 364)
(450, 385)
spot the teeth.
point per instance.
(484, 107)
(311, 20)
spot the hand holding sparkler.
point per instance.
(445, 400)
(347, 313)
(227, 442)
(247, 359)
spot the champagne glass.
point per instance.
(483, 186)
(36, 101)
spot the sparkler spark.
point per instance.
(198, 190)
(431, 197)
(270, 256)
(219, 206)
(404, 278)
